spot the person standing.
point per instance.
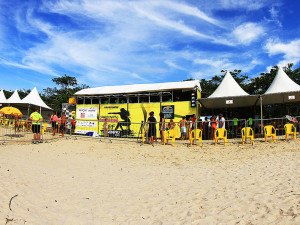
(183, 125)
(155, 136)
(53, 122)
(213, 122)
(63, 124)
(152, 127)
(162, 127)
(221, 123)
(205, 129)
(105, 128)
(36, 119)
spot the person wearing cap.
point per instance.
(221, 123)
(36, 119)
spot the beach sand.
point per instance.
(85, 181)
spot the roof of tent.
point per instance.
(282, 83)
(15, 98)
(282, 90)
(34, 98)
(2, 97)
(229, 89)
(229, 102)
(136, 88)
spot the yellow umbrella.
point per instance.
(10, 111)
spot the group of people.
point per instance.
(58, 124)
(208, 126)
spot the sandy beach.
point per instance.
(85, 181)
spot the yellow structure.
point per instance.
(126, 108)
(247, 132)
(290, 130)
(221, 133)
(270, 131)
(196, 134)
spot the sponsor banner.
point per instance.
(86, 123)
(89, 113)
(168, 111)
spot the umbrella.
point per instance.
(11, 111)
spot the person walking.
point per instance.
(36, 119)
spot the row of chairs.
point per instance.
(221, 134)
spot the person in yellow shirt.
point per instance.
(36, 125)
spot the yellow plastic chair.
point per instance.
(290, 130)
(270, 131)
(221, 133)
(247, 132)
(44, 128)
(197, 135)
(171, 136)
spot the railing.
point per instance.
(21, 130)
(12, 130)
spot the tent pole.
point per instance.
(261, 115)
(28, 111)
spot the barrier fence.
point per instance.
(197, 132)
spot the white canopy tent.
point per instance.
(136, 88)
(2, 97)
(14, 99)
(229, 94)
(282, 90)
(33, 98)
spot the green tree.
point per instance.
(54, 97)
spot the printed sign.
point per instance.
(292, 97)
(86, 123)
(229, 102)
(168, 111)
(87, 113)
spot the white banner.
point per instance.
(229, 102)
(87, 113)
(86, 123)
(292, 97)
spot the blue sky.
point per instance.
(127, 42)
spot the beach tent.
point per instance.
(229, 94)
(33, 98)
(14, 99)
(282, 90)
(2, 97)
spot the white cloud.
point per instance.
(248, 32)
(290, 50)
(250, 5)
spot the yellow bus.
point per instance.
(126, 107)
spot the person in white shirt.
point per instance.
(221, 123)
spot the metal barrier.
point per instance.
(21, 131)
(12, 130)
